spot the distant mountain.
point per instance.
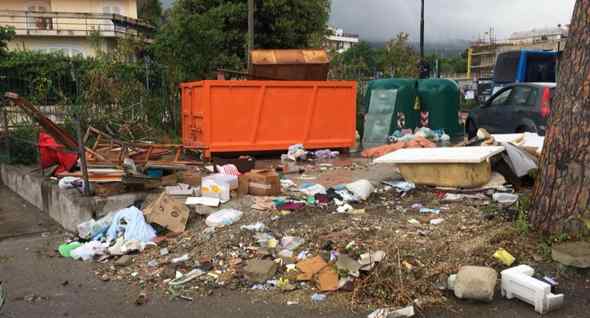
(444, 49)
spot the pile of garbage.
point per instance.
(401, 139)
(389, 244)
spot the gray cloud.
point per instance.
(447, 19)
(378, 20)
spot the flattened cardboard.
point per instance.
(168, 213)
(309, 267)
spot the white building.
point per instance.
(340, 41)
(535, 36)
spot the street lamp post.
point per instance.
(422, 31)
(423, 67)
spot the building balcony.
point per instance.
(74, 24)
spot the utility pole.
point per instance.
(250, 32)
(422, 32)
(423, 67)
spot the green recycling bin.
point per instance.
(390, 107)
(439, 105)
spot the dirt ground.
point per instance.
(42, 284)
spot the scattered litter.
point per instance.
(212, 188)
(122, 246)
(130, 223)
(349, 265)
(505, 198)
(362, 189)
(87, 251)
(504, 257)
(291, 242)
(263, 203)
(92, 229)
(183, 279)
(368, 260)
(287, 184)
(295, 152)
(318, 297)
(393, 313)
(518, 282)
(436, 221)
(65, 249)
(223, 217)
(310, 267)
(180, 259)
(255, 227)
(71, 183)
(428, 210)
(344, 208)
(312, 189)
(400, 186)
(325, 154)
(168, 213)
(206, 201)
(181, 189)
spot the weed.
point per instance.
(521, 222)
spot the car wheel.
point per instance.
(470, 128)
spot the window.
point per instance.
(34, 21)
(520, 96)
(501, 98)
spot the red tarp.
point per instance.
(52, 153)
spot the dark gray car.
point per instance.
(516, 108)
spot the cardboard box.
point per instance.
(261, 182)
(168, 213)
(190, 178)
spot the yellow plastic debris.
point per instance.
(504, 257)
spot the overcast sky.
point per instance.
(378, 20)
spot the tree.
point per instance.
(561, 196)
(360, 61)
(6, 34)
(200, 36)
(150, 11)
(398, 59)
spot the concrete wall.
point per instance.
(67, 207)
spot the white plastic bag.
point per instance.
(70, 183)
(223, 217)
(91, 228)
(88, 250)
(130, 222)
(361, 188)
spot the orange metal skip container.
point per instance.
(241, 116)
